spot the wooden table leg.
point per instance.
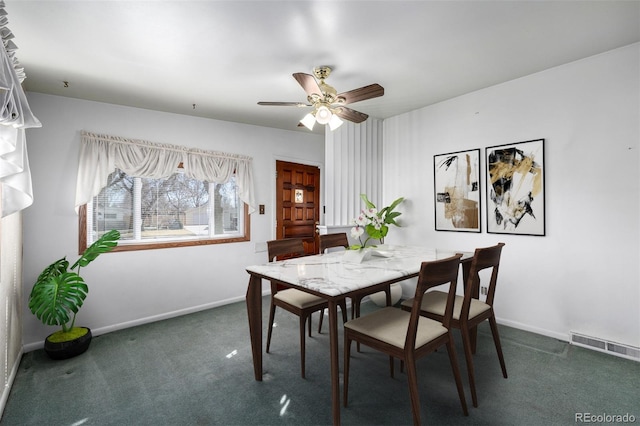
(335, 363)
(254, 311)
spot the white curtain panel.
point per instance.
(17, 191)
(353, 154)
(15, 116)
(100, 155)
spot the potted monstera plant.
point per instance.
(58, 294)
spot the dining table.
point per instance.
(335, 276)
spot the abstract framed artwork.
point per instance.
(457, 191)
(515, 188)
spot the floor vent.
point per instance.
(617, 349)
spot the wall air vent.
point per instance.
(602, 345)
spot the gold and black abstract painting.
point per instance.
(515, 188)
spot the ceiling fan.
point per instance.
(329, 105)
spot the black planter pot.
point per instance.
(69, 349)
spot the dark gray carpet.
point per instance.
(197, 370)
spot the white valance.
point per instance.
(15, 117)
(100, 155)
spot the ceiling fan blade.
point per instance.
(350, 114)
(308, 83)
(295, 104)
(361, 94)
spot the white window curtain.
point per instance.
(16, 195)
(100, 155)
(15, 117)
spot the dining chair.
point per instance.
(295, 301)
(408, 335)
(328, 241)
(340, 239)
(468, 310)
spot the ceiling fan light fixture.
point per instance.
(335, 122)
(323, 115)
(308, 121)
(325, 100)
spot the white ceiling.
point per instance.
(225, 56)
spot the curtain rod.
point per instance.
(169, 147)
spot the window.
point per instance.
(161, 195)
(166, 212)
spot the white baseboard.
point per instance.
(147, 320)
(166, 315)
(520, 326)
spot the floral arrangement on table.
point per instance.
(374, 222)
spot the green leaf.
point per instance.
(367, 203)
(395, 203)
(56, 268)
(104, 244)
(390, 218)
(53, 299)
(377, 234)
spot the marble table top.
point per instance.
(341, 272)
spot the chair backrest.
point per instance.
(333, 240)
(284, 249)
(483, 258)
(433, 274)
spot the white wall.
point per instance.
(128, 288)
(583, 276)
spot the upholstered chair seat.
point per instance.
(298, 298)
(390, 325)
(436, 302)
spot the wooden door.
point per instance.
(298, 203)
